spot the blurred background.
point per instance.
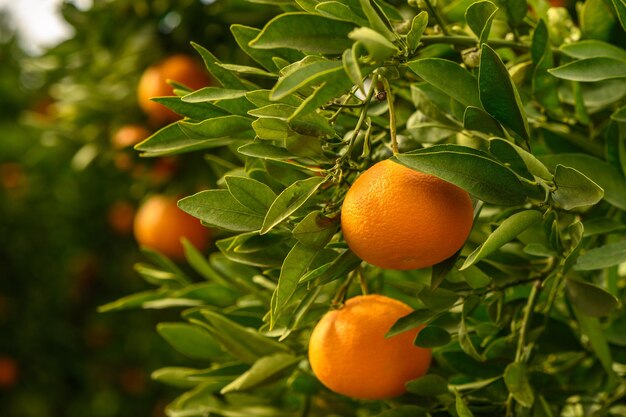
(69, 187)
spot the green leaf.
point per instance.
(175, 376)
(254, 250)
(272, 129)
(294, 267)
(499, 95)
(244, 343)
(471, 170)
(603, 226)
(190, 340)
(449, 77)
(544, 85)
(340, 11)
(315, 230)
(191, 111)
(619, 115)
(411, 321)
(477, 119)
(620, 9)
(438, 299)
(606, 176)
(226, 78)
(217, 127)
(466, 342)
(290, 200)
(265, 370)
(461, 408)
(313, 73)
(602, 257)
(595, 334)
(220, 209)
(432, 336)
(429, 385)
(591, 69)
(516, 380)
(516, 10)
(590, 299)
(214, 378)
(350, 63)
(379, 48)
(475, 278)
(158, 277)
(510, 153)
(479, 17)
(338, 268)
(508, 230)
(213, 94)
(377, 19)
(332, 88)
(418, 25)
(253, 194)
(574, 189)
(596, 19)
(305, 32)
(405, 411)
(590, 48)
(263, 151)
(201, 265)
(171, 140)
(133, 300)
(244, 34)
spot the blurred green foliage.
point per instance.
(59, 177)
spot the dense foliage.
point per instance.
(519, 103)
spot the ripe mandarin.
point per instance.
(153, 83)
(129, 135)
(160, 224)
(350, 355)
(397, 218)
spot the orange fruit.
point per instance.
(120, 217)
(160, 225)
(350, 355)
(129, 135)
(397, 218)
(153, 83)
(9, 372)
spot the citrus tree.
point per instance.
(419, 210)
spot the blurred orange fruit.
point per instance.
(129, 135)
(120, 217)
(397, 218)
(153, 83)
(9, 372)
(160, 225)
(350, 354)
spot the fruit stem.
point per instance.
(362, 282)
(392, 116)
(521, 342)
(530, 304)
(339, 298)
(362, 115)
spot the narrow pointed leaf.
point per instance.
(290, 200)
(498, 94)
(591, 69)
(508, 230)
